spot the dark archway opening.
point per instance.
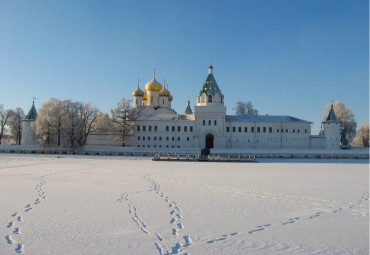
(209, 141)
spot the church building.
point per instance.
(159, 126)
(208, 126)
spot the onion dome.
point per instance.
(145, 96)
(153, 85)
(138, 92)
(164, 92)
(170, 98)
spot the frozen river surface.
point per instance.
(112, 205)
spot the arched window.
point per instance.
(209, 98)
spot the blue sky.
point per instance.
(289, 57)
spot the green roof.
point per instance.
(331, 115)
(210, 86)
(32, 113)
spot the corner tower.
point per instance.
(332, 130)
(29, 127)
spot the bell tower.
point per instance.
(210, 114)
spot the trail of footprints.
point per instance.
(178, 241)
(15, 223)
(182, 241)
(364, 198)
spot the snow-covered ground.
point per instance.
(113, 205)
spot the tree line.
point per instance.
(68, 123)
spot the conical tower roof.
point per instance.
(188, 109)
(210, 85)
(331, 116)
(32, 113)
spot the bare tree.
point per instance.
(49, 122)
(123, 118)
(346, 117)
(87, 116)
(4, 117)
(15, 125)
(245, 108)
(362, 137)
(103, 123)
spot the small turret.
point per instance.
(138, 95)
(188, 109)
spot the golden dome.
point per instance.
(170, 98)
(145, 97)
(164, 92)
(138, 92)
(153, 85)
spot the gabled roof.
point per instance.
(331, 116)
(264, 118)
(32, 113)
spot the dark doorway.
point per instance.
(209, 141)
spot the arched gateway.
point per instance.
(209, 141)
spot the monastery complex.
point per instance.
(208, 126)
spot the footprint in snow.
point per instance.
(316, 215)
(20, 248)
(160, 238)
(291, 221)
(10, 224)
(187, 240)
(9, 239)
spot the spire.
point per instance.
(32, 113)
(210, 68)
(331, 115)
(154, 74)
(138, 83)
(188, 108)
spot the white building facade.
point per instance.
(159, 126)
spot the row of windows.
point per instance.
(160, 138)
(264, 130)
(173, 128)
(271, 140)
(210, 122)
(160, 146)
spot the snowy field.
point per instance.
(113, 205)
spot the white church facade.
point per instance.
(159, 126)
